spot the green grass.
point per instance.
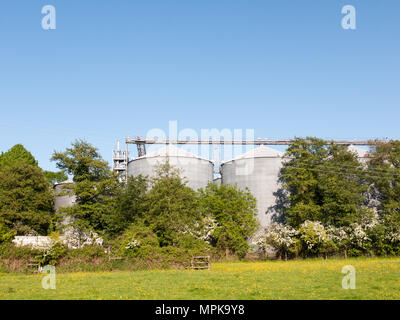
(376, 278)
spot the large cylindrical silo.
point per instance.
(257, 170)
(64, 197)
(197, 171)
(362, 154)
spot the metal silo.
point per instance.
(64, 197)
(217, 181)
(257, 170)
(197, 171)
(363, 155)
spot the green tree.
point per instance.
(235, 213)
(322, 181)
(172, 208)
(55, 177)
(83, 161)
(128, 206)
(6, 234)
(26, 203)
(95, 185)
(384, 170)
(17, 154)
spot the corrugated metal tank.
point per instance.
(258, 170)
(217, 181)
(63, 195)
(362, 154)
(197, 171)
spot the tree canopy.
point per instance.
(95, 184)
(17, 153)
(384, 172)
(322, 181)
(128, 206)
(55, 177)
(83, 161)
(26, 203)
(328, 199)
(172, 208)
(234, 211)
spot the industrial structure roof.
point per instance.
(171, 151)
(362, 153)
(259, 152)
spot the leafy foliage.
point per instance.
(136, 240)
(26, 203)
(128, 206)
(234, 211)
(322, 182)
(95, 185)
(384, 169)
(15, 155)
(282, 238)
(83, 161)
(6, 235)
(313, 236)
(338, 204)
(172, 208)
(52, 255)
(331, 203)
(55, 177)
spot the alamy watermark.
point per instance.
(349, 20)
(49, 281)
(49, 20)
(213, 147)
(349, 280)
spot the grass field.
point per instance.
(310, 279)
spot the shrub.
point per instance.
(282, 238)
(88, 252)
(51, 255)
(313, 237)
(233, 212)
(6, 235)
(137, 239)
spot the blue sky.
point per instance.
(117, 68)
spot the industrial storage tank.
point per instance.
(64, 197)
(217, 181)
(197, 171)
(363, 155)
(257, 170)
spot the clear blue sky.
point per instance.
(117, 68)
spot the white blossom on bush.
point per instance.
(74, 238)
(393, 236)
(370, 219)
(202, 231)
(337, 235)
(357, 235)
(312, 233)
(133, 244)
(258, 241)
(354, 235)
(279, 236)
